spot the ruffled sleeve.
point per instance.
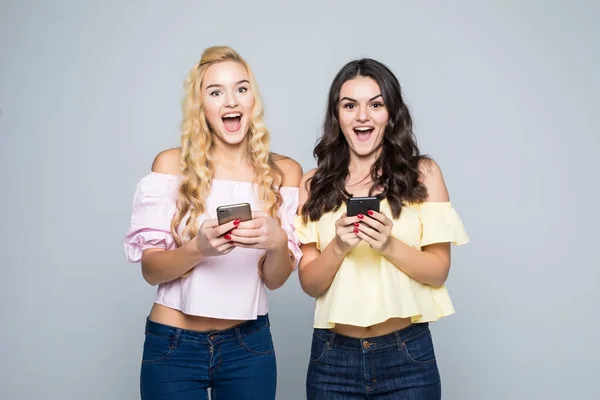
(440, 223)
(287, 214)
(307, 232)
(154, 204)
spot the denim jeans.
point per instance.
(237, 363)
(399, 366)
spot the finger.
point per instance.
(373, 223)
(372, 242)
(222, 229)
(349, 220)
(220, 241)
(252, 224)
(248, 233)
(210, 223)
(347, 229)
(226, 247)
(379, 216)
(248, 246)
(370, 231)
(244, 240)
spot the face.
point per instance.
(228, 101)
(362, 115)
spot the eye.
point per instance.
(243, 89)
(350, 106)
(377, 105)
(215, 93)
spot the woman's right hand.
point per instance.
(212, 239)
(346, 237)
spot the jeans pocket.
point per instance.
(258, 342)
(318, 348)
(419, 350)
(156, 348)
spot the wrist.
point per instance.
(192, 251)
(280, 244)
(388, 248)
(338, 250)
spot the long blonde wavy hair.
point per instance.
(197, 141)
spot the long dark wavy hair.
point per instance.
(396, 170)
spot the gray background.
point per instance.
(504, 96)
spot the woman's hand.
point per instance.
(261, 232)
(212, 240)
(375, 229)
(346, 230)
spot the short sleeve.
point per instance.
(153, 207)
(287, 214)
(440, 223)
(307, 232)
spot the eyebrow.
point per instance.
(356, 101)
(237, 83)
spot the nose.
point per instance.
(231, 101)
(362, 114)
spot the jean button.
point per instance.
(366, 344)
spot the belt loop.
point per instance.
(331, 339)
(238, 335)
(175, 338)
(398, 340)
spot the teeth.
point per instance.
(232, 115)
(363, 128)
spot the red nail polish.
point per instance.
(360, 216)
(370, 212)
(236, 222)
(356, 224)
(355, 230)
(227, 236)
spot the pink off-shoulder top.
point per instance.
(226, 287)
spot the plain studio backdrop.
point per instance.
(504, 97)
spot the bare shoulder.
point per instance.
(168, 162)
(291, 169)
(304, 186)
(433, 179)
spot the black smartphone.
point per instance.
(360, 205)
(231, 212)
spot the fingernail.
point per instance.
(227, 236)
(360, 216)
(356, 224)
(355, 230)
(236, 222)
(370, 212)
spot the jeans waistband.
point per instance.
(373, 343)
(185, 335)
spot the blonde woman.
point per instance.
(209, 326)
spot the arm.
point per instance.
(431, 264)
(162, 265)
(278, 264)
(317, 269)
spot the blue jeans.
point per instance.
(398, 366)
(237, 363)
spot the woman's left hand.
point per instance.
(261, 232)
(375, 229)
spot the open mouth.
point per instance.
(232, 121)
(363, 133)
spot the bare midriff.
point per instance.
(384, 328)
(169, 316)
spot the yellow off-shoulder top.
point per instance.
(368, 289)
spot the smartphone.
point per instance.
(360, 205)
(231, 212)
